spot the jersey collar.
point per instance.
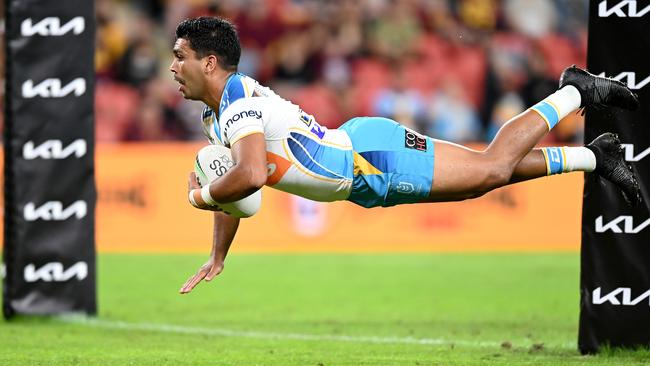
(226, 95)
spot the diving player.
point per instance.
(369, 161)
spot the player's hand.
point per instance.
(207, 272)
(192, 182)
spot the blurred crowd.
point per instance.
(455, 70)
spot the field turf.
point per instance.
(317, 309)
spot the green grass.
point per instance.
(322, 310)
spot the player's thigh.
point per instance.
(459, 172)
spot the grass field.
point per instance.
(295, 309)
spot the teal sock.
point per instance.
(558, 105)
(568, 159)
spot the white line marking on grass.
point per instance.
(180, 329)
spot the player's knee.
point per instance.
(497, 176)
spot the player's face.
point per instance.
(188, 68)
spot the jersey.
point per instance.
(369, 161)
(303, 157)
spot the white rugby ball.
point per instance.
(212, 162)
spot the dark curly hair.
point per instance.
(212, 36)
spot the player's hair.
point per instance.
(212, 36)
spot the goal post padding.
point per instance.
(49, 217)
(615, 253)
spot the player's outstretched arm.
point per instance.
(225, 228)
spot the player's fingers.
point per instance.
(214, 271)
(193, 281)
(189, 285)
(189, 280)
(192, 183)
(195, 181)
(198, 278)
(183, 288)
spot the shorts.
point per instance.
(392, 164)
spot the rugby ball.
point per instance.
(212, 162)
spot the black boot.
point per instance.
(598, 91)
(611, 165)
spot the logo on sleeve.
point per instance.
(207, 113)
(243, 114)
(306, 119)
(414, 141)
(206, 117)
(240, 115)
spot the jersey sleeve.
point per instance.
(241, 119)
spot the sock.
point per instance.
(568, 159)
(558, 105)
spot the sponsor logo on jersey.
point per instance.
(276, 168)
(405, 187)
(305, 118)
(270, 169)
(414, 141)
(55, 272)
(207, 113)
(317, 130)
(242, 114)
(207, 117)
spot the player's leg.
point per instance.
(468, 163)
(461, 173)
(604, 156)
(545, 161)
(532, 166)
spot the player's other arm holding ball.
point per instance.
(206, 54)
(246, 177)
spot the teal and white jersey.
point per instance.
(387, 165)
(303, 158)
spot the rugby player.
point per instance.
(368, 160)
